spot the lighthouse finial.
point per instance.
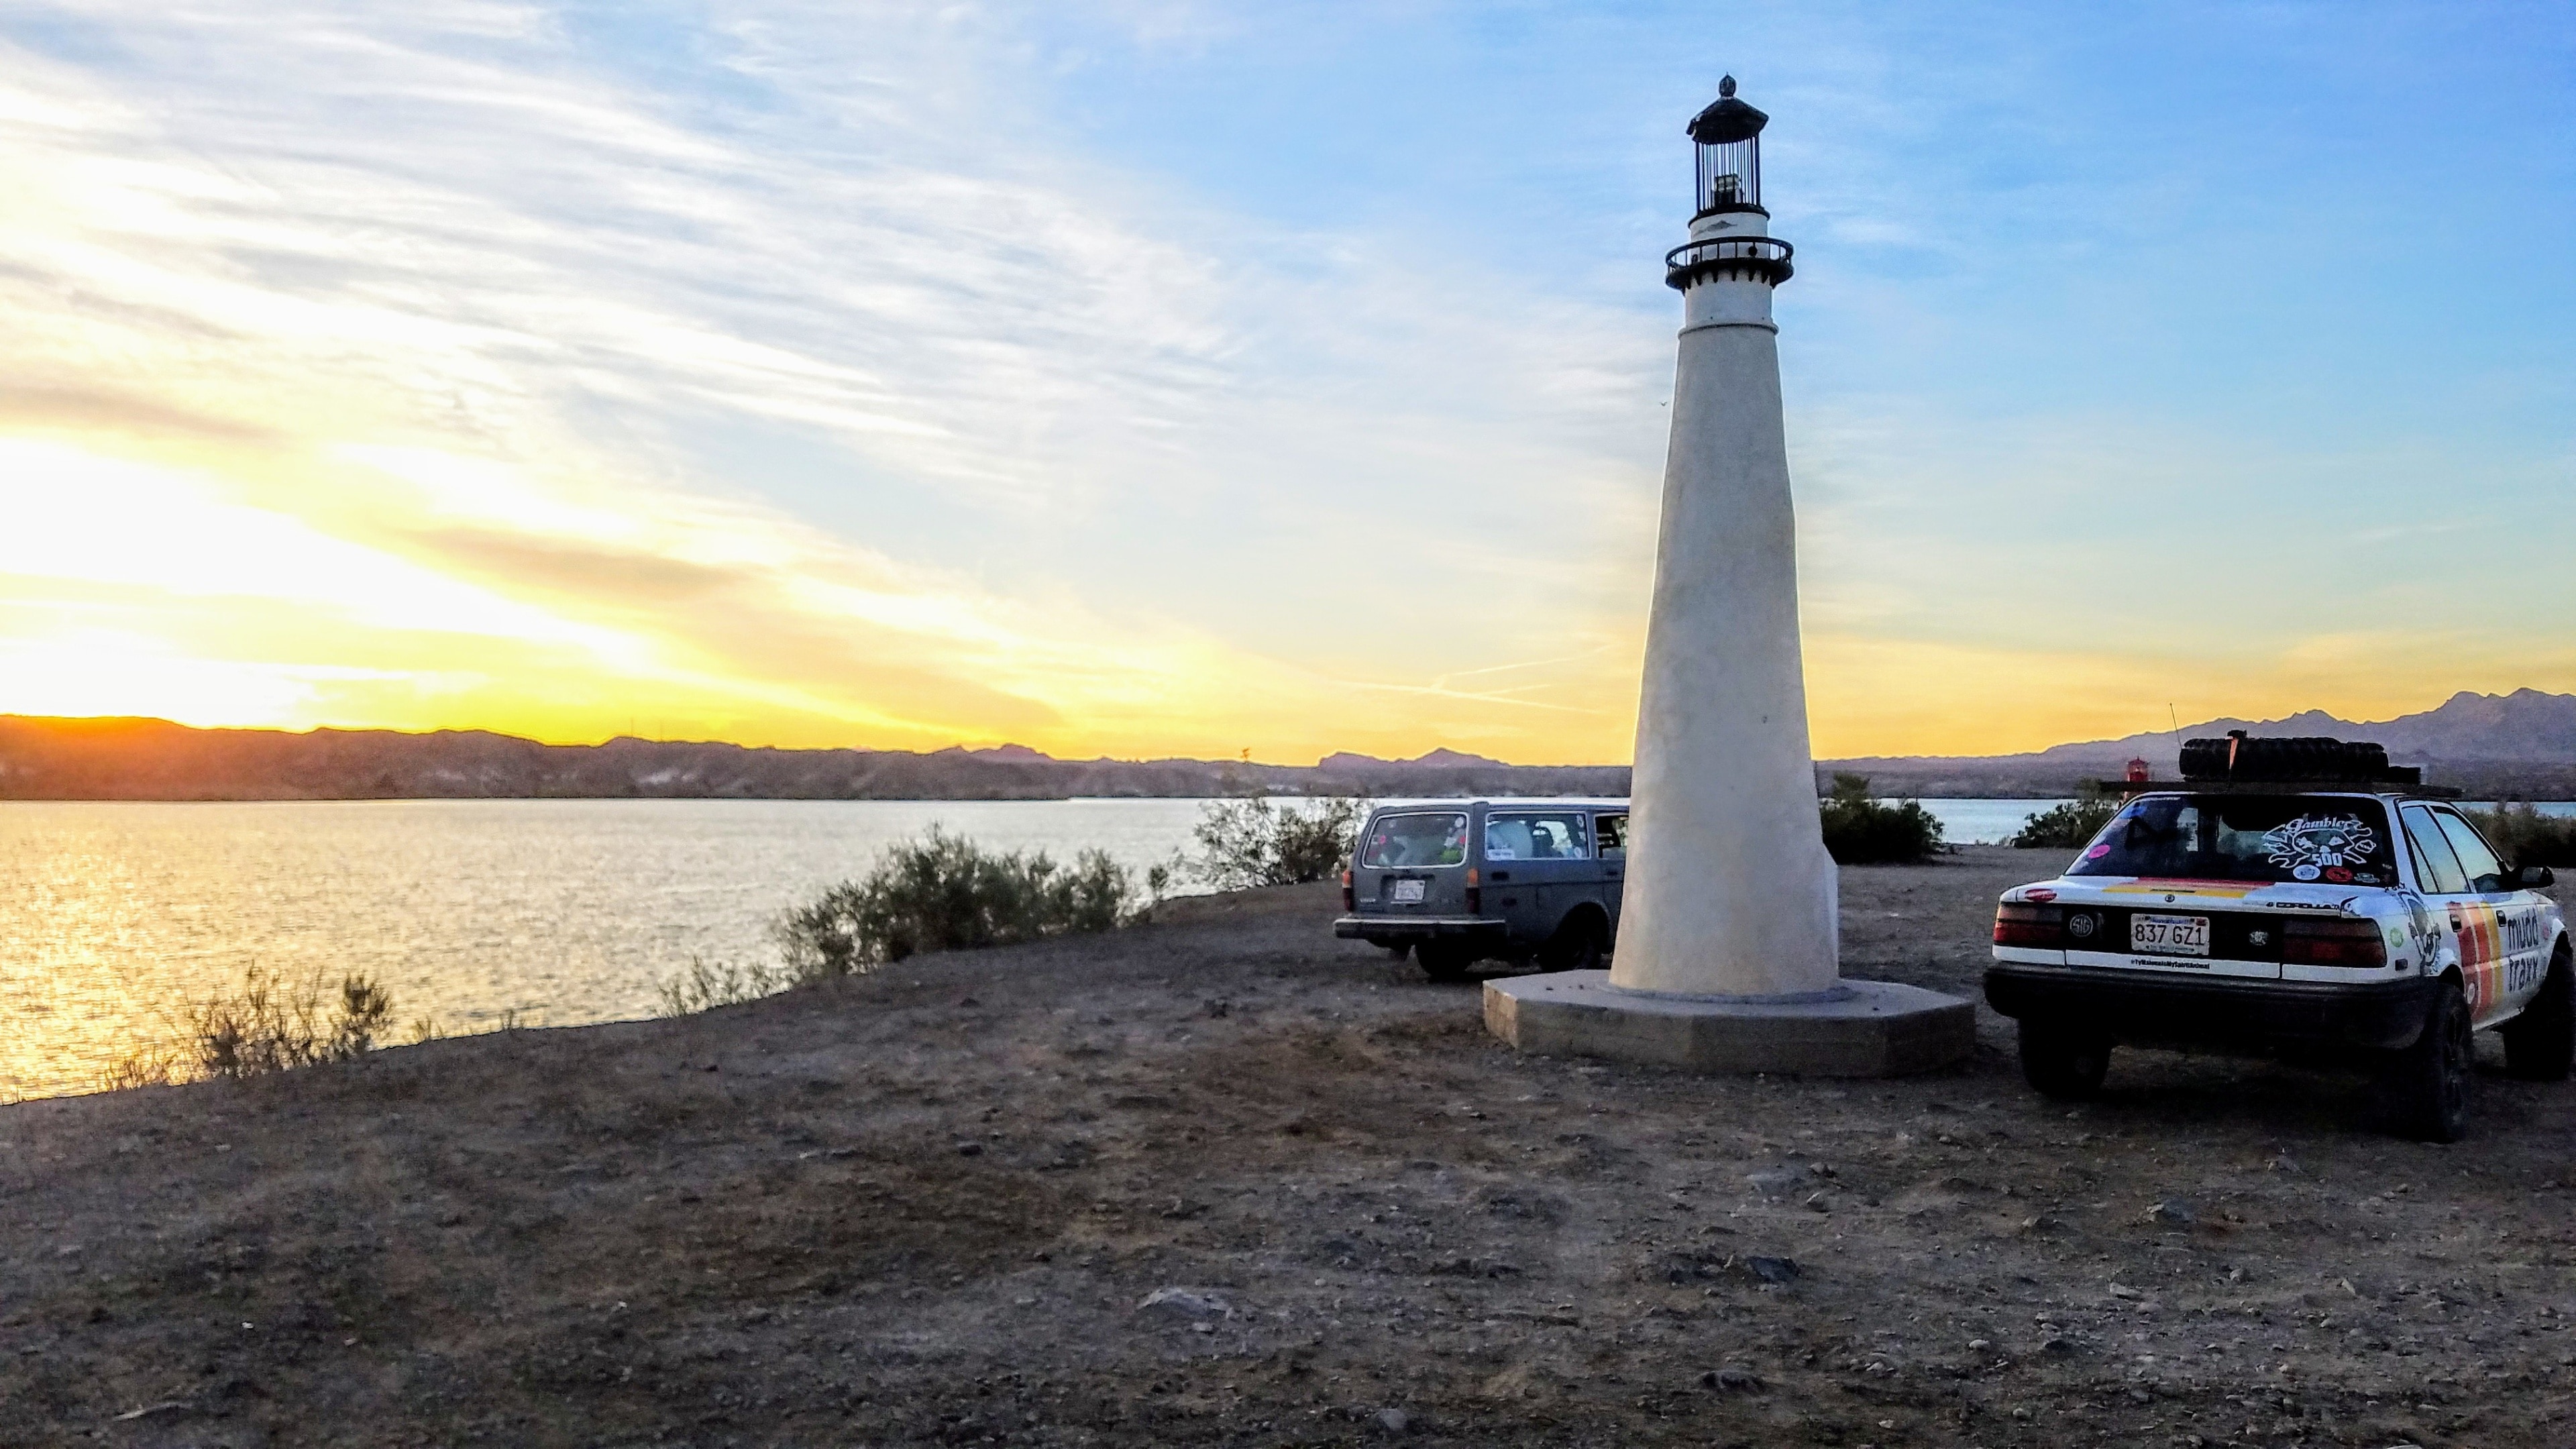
(1726, 86)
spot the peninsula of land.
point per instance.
(2514, 746)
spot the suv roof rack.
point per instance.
(2385, 786)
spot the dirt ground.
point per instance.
(937, 1205)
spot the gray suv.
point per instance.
(1457, 882)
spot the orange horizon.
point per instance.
(108, 722)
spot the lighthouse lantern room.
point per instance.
(1729, 134)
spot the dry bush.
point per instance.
(709, 984)
(1862, 831)
(2524, 836)
(2070, 826)
(1260, 842)
(945, 893)
(263, 1028)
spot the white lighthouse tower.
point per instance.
(1726, 957)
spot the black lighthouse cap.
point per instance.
(1727, 119)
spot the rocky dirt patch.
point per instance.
(1225, 1180)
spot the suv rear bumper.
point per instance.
(2127, 1006)
(1407, 930)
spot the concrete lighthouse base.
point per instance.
(1855, 1029)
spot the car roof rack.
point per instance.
(2407, 786)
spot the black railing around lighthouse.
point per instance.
(1754, 258)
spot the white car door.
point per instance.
(2446, 891)
(2512, 923)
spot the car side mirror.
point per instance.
(2535, 878)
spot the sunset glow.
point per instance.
(935, 376)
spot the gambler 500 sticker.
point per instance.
(2321, 846)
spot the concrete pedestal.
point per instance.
(1855, 1029)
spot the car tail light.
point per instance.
(1475, 892)
(1350, 897)
(2332, 941)
(2019, 925)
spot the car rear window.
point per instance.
(1403, 841)
(2337, 840)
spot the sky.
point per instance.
(1153, 379)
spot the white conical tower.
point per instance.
(1729, 889)
(1726, 956)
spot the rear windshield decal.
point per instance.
(2321, 845)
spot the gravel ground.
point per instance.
(1223, 1179)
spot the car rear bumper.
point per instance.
(1405, 930)
(2128, 1006)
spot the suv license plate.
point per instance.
(2169, 935)
(1409, 893)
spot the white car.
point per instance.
(2297, 919)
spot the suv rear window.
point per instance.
(1406, 841)
(2335, 839)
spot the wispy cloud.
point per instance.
(814, 373)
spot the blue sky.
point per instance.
(1166, 378)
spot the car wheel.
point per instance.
(2540, 1044)
(1442, 961)
(2428, 1083)
(1575, 947)
(2062, 1061)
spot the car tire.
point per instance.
(1576, 946)
(2427, 1084)
(2540, 1044)
(2063, 1062)
(1444, 961)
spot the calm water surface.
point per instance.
(561, 911)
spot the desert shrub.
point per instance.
(708, 984)
(265, 1027)
(2524, 836)
(1262, 842)
(1863, 831)
(945, 893)
(2070, 826)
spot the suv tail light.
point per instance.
(1350, 898)
(2332, 941)
(1475, 892)
(2019, 925)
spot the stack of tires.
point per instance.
(2305, 758)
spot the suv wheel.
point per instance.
(1443, 960)
(2427, 1084)
(1576, 946)
(2062, 1061)
(2540, 1044)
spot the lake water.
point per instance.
(557, 911)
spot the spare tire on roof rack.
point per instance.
(2304, 758)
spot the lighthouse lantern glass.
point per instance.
(1730, 176)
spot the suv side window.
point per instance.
(1537, 837)
(2437, 866)
(2485, 872)
(1611, 831)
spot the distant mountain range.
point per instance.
(2520, 745)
